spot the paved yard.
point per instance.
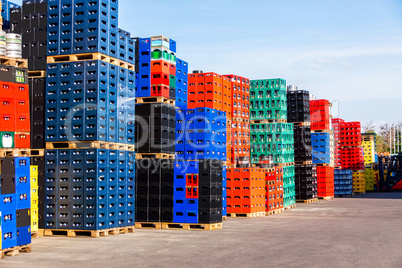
(364, 231)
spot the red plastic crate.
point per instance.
(21, 91)
(22, 123)
(7, 90)
(7, 122)
(7, 105)
(22, 140)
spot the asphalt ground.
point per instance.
(363, 231)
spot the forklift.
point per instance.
(390, 172)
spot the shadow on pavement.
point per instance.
(375, 195)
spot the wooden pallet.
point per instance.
(299, 163)
(89, 145)
(302, 123)
(35, 234)
(269, 121)
(240, 119)
(190, 226)
(148, 225)
(21, 153)
(360, 192)
(326, 198)
(36, 74)
(321, 131)
(285, 164)
(93, 233)
(90, 57)
(155, 100)
(14, 62)
(154, 156)
(224, 218)
(309, 201)
(15, 251)
(290, 207)
(274, 212)
(262, 166)
(246, 215)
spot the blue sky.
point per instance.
(343, 50)
(346, 50)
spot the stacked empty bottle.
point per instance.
(90, 113)
(299, 114)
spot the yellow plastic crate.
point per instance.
(34, 171)
(34, 182)
(34, 215)
(34, 193)
(34, 225)
(35, 202)
(35, 206)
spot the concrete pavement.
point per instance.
(364, 231)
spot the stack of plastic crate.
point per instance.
(299, 114)
(246, 192)
(199, 172)
(156, 64)
(271, 135)
(371, 178)
(352, 153)
(343, 182)
(6, 7)
(90, 113)
(323, 147)
(15, 190)
(30, 20)
(237, 106)
(274, 190)
(15, 205)
(34, 199)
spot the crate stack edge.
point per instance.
(305, 171)
(322, 146)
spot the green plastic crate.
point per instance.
(7, 139)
